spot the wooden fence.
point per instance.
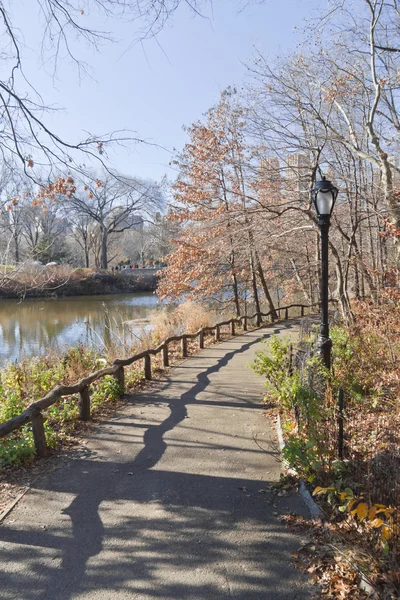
(33, 413)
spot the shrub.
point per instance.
(305, 448)
(193, 316)
(105, 389)
(21, 384)
(163, 325)
(185, 318)
(273, 364)
(17, 448)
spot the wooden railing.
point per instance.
(33, 413)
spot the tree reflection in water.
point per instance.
(32, 326)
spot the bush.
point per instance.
(193, 316)
(163, 325)
(17, 448)
(185, 318)
(305, 449)
(21, 384)
(105, 389)
(273, 364)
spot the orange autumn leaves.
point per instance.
(62, 186)
(208, 205)
(376, 516)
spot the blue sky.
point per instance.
(156, 88)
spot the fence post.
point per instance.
(259, 320)
(120, 377)
(201, 338)
(165, 355)
(340, 423)
(302, 310)
(147, 366)
(84, 404)
(245, 323)
(286, 314)
(232, 327)
(217, 333)
(184, 346)
(39, 436)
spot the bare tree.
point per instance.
(16, 200)
(113, 203)
(83, 233)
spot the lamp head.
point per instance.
(324, 195)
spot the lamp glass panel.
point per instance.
(324, 202)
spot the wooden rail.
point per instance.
(33, 413)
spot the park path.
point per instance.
(169, 500)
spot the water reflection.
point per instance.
(31, 327)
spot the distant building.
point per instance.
(297, 175)
(137, 223)
(270, 180)
(134, 222)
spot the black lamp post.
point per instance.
(324, 195)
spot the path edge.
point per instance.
(13, 503)
(315, 511)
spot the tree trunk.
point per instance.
(254, 284)
(86, 250)
(357, 287)
(365, 273)
(265, 288)
(311, 277)
(390, 196)
(16, 244)
(235, 294)
(300, 281)
(341, 290)
(104, 261)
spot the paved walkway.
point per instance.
(167, 502)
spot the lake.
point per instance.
(30, 327)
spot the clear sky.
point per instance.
(156, 88)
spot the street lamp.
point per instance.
(324, 196)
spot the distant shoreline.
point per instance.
(93, 284)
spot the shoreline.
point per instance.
(95, 284)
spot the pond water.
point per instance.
(32, 326)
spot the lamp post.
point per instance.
(324, 195)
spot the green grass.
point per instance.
(6, 268)
(23, 383)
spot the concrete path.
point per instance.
(168, 501)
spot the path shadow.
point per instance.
(185, 528)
